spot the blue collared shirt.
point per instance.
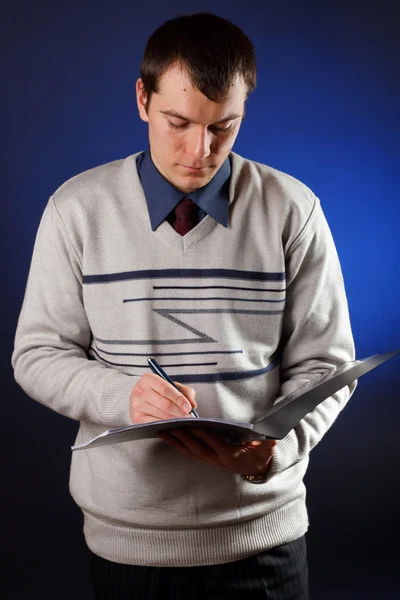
(162, 196)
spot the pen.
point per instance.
(155, 367)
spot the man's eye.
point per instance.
(217, 129)
(177, 126)
(222, 128)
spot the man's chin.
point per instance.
(187, 185)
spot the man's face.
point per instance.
(186, 129)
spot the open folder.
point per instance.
(273, 424)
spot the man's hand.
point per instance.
(249, 458)
(153, 399)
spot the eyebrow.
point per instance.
(173, 113)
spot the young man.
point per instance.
(225, 271)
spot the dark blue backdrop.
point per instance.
(326, 110)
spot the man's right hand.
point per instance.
(154, 399)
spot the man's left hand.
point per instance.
(248, 458)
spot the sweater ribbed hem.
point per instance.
(195, 547)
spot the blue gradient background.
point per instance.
(326, 110)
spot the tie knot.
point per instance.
(186, 216)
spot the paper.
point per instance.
(274, 424)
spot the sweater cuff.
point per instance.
(285, 454)
(115, 399)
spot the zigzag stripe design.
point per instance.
(200, 337)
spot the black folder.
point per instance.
(273, 424)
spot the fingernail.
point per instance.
(187, 407)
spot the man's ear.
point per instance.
(141, 98)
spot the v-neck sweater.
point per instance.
(244, 314)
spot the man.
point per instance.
(225, 271)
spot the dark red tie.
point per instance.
(185, 217)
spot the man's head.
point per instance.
(202, 68)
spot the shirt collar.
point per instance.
(162, 196)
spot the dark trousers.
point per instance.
(277, 574)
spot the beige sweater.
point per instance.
(214, 307)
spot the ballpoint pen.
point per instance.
(155, 367)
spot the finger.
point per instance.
(175, 443)
(153, 406)
(144, 418)
(175, 396)
(154, 390)
(264, 443)
(149, 412)
(188, 392)
(196, 446)
(183, 448)
(210, 439)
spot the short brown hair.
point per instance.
(212, 50)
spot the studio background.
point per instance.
(325, 110)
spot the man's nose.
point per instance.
(198, 143)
